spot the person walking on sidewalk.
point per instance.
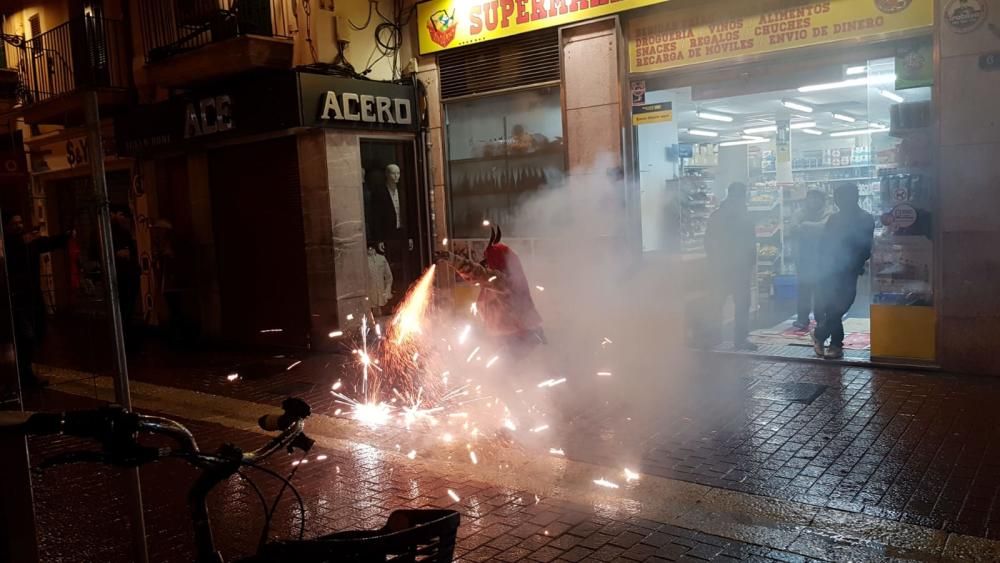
(24, 256)
(807, 230)
(846, 246)
(730, 244)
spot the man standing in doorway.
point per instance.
(24, 254)
(730, 244)
(807, 229)
(846, 245)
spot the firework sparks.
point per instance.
(271, 330)
(492, 361)
(338, 385)
(472, 355)
(472, 456)
(602, 482)
(604, 374)
(557, 451)
(407, 323)
(474, 308)
(631, 475)
(336, 334)
(541, 428)
(444, 242)
(552, 382)
(321, 457)
(412, 454)
(350, 316)
(372, 414)
(539, 288)
(233, 376)
(454, 496)
(293, 365)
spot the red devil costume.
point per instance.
(504, 303)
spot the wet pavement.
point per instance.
(759, 459)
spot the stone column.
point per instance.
(591, 97)
(210, 303)
(429, 76)
(968, 196)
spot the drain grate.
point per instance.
(788, 392)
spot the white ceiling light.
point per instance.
(796, 106)
(702, 133)
(855, 70)
(714, 116)
(812, 131)
(743, 142)
(856, 132)
(753, 138)
(773, 128)
(863, 81)
(843, 117)
(891, 96)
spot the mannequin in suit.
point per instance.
(389, 222)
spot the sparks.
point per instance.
(556, 451)
(474, 309)
(269, 330)
(233, 376)
(444, 242)
(336, 334)
(350, 316)
(337, 385)
(540, 428)
(372, 414)
(454, 496)
(293, 364)
(447, 438)
(465, 334)
(539, 288)
(472, 355)
(337, 412)
(472, 456)
(407, 323)
(509, 425)
(551, 382)
(321, 457)
(486, 222)
(492, 279)
(631, 475)
(602, 482)
(412, 454)
(604, 374)
(492, 361)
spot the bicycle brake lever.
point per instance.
(302, 442)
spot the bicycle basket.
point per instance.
(409, 536)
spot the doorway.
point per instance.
(395, 217)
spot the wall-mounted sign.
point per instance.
(330, 101)
(965, 16)
(652, 113)
(446, 24)
(207, 116)
(670, 39)
(990, 61)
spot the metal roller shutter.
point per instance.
(530, 58)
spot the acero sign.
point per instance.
(366, 108)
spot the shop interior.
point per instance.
(806, 129)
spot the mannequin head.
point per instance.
(392, 175)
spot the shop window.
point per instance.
(502, 151)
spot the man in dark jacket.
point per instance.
(730, 244)
(24, 256)
(846, 246)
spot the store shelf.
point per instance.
(509, 157)
(764, 207)
(768, 233)
(822, 168)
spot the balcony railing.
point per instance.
(170, 27)
(87, 52)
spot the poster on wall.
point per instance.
(902, 269)
(679, 38)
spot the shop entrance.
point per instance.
(395, 215)
(793, 134)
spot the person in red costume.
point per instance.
(504, 302)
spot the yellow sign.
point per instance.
(671, 39)
(446, 24)
(652, 113)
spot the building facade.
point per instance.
(785, 96)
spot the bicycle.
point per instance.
(408, 536)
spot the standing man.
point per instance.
(807, 229)
(730, 243)
(24, 254)
(129, 273)
(846, 245)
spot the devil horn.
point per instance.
(499, 235)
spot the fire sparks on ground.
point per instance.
(454, 496)
(602, 482)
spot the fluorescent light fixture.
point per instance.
(891, 96)
(849, 83)
(743, 142)
(855, 70)
(856, 132)
(796, 106)
(774, 128)
(812, 131)
(753, 138)
(714, 116)
(702, 133)
(843, 117)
